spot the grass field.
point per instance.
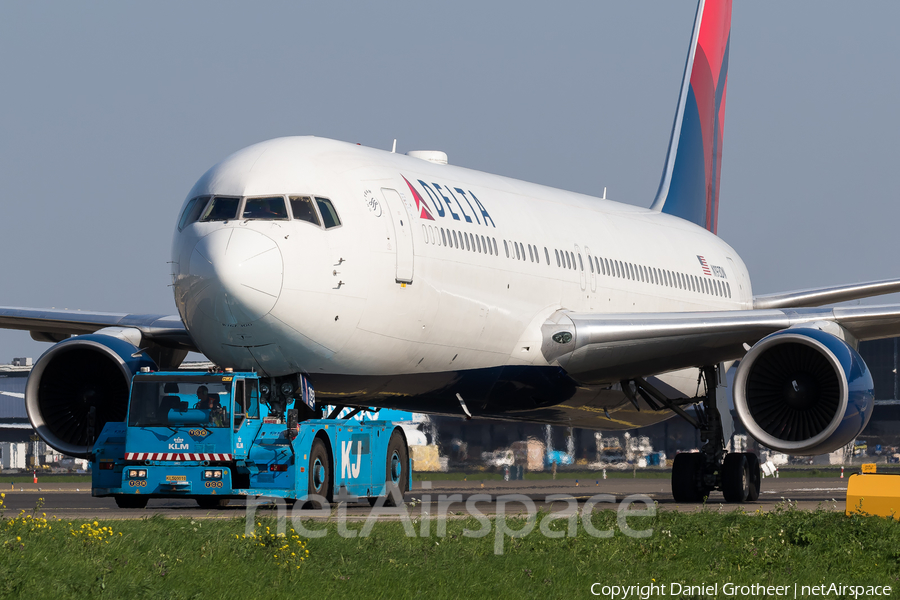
(184, 558)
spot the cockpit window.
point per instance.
(265, 208)
(303, 209)
(329, 215)
(222, 208)
(192, 211)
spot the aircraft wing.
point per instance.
(604, 348)
(53, 325)
(13, 394)
(829, 295)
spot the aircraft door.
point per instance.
(591, 265)
(581, 267)
(403, 240)
(739, 279)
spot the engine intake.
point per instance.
(78, 386)
(803, 391)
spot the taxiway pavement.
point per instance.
(74, 501)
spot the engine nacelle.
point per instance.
(78, 386)
(803, 391)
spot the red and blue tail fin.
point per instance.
(690, 182)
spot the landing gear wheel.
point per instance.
(129, 501)
(753, 467)
(397, 470)
(736, 478)
(320, 476)
(687, 478)
(211, 502)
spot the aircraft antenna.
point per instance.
(394, 148)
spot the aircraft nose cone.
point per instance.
(236, 276)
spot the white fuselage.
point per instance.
(389, 293)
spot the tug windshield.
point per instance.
(190, 401)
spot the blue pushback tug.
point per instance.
(217, 436)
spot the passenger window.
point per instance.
(590, 264)
(478, 243)
(443, 237)
(469, 248)
(530, 253)
(547, 255)
(487, 245)
(568, 260)
(192, 211)
(580, 262)
(495, 246)
(518, 256)
(728, 289)
(222, 208)
(271, 209)
(506, 248)
(329, 215)
(556, 252)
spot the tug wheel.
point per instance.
(396, 470)
(320, 476)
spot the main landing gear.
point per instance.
(695, 475)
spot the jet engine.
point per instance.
(78, 386)
(803, 391)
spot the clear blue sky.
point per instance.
(111, 111)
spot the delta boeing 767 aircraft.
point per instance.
(401, 281)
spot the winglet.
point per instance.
(689, 187)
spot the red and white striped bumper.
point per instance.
(176, 456)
